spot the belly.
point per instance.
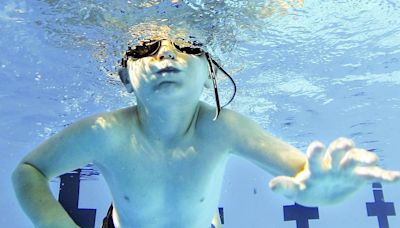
(168, 193)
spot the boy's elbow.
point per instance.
(18, 177)
(23, 172)
(17, 173)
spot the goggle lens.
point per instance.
(149, 48)
(189, 50)
(146, 48)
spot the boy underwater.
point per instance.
(164, 158)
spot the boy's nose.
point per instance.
(167, 51)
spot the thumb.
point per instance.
(286, 186)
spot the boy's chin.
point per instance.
(166, 85)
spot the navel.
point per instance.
(126, 198)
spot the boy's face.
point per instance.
(168, 75)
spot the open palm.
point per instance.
(332, 174)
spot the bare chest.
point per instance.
(182, 180)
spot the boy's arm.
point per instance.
(322, 176)
(72, 148)
(250, 141)
(36, 199)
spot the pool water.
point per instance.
(312, 70)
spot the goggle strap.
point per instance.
(212, 73)
(231, 79)
(123, 62)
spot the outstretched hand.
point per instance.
(332, 174)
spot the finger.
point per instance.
(376, 173)
(358, 157)
(286, 186)
(315, 154)
(336, 152)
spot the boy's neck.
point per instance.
(167, 123)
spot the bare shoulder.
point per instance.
(109, 129)
(228, 119)
(99, 124)
(230, 124)
(109, 121)
(83, 142)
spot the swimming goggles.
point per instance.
(148, 48)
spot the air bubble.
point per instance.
(37, 76)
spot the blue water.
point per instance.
(313, 72)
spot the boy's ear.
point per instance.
(124, 76)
